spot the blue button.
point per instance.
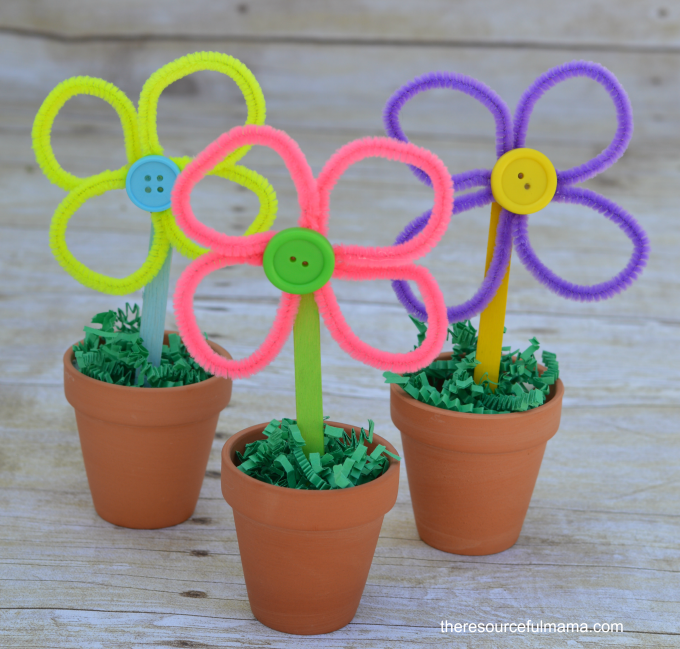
(150, 181)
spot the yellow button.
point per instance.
(523, 181)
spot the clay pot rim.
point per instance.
(467, 432)
(77, 375)
(555, 397)
(302, 494)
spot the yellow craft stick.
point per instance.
(523, 181)
(492, 321)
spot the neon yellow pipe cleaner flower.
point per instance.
(141, 142)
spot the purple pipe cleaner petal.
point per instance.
(492, 280)
(475, 89)
(473, 178)
(614, 213)
(513, 225)
(624, 115)
(462, 181)
(475, 199)
(414, 227)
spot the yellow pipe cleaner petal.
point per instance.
(246, 178)
(96, 186)
(182, 67)
(42, 126)
(141, 138)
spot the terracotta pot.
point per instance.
(471, 476)
(305, 554)
(145, 449)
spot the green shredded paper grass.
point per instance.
(116, 354)
(279, 459)
(450, 384)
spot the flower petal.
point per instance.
(42, 125)
(492, 280)
(461, 82)
(405, 152)
(89, 188)
(208, 161)
(582, 293)
(357, 348)
(183, 67)
(624, 115)
(210, 158)
(191, 333)
(245, 177)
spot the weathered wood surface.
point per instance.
(600, 540)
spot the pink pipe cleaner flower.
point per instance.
(352, 262)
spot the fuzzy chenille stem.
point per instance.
(492, 320)
(307, 356)
(154, 306)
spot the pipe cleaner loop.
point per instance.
(246, 178)
(141, 139)
(42, 126)
(351, 262)
(624, 116)
(183, 67)
(513, 227)
(89, 188)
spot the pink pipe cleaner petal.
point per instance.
(402, 152)
(357, 348)
(292, 156)
(352, 262)
(191, 333)
(215, 153)
(240, 246)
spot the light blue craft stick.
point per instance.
(154, 306)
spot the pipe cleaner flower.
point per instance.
(148, 175)
(301, 261)
(522, 182)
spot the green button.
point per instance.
(299, 261)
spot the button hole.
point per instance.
(292, 258)
(305, 263)
(147, 190)
(160, 190)
(527, 186)
(159, 178)
(520, 175)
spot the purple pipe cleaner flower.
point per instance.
(514, 227)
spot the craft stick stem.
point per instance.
(154, 306)
(492, 320)
(307, 355)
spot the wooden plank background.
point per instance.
(600, 542)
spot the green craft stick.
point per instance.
(154, 306)
(307, 354)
